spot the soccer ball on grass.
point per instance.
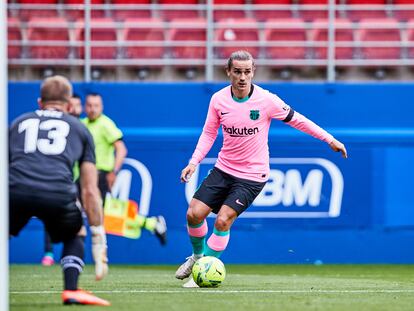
(209, 272)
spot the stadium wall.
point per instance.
(317, 207)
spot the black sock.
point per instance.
(72, 262)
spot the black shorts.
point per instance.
(61, 216)
(103, 185)
(220, 188)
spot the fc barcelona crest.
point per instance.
(254, 114)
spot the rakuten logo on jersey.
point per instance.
(241, 131)
(297, 188)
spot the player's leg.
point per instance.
(209, 197)
(103, 185)
(64, 223)
(241, 195)
(156, 225)
(20, 212)
(220, 237)
(197, 230)
(48, 257)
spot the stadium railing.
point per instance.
(190, 37)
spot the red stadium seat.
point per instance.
(310, 14)
(189, 30)
(169, 14)
(27, 13)
(237, 34)
(343, 33)
(227, 13)
(48, 30)
(410, 38)
(132, 10)
(103, 30)
(404, 14)
(74, 14)
(263, 15)
(380, 31)
(140, 31)
(359, 14)
(13, 34)
(285, 30)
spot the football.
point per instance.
(209, 272)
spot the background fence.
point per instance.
(191, 39)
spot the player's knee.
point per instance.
(193, 217)
(223, 223)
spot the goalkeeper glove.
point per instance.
(99, 251)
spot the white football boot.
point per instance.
(184, 271)
(190, 283)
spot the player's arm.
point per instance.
(305, 125)
(281, 111)
(91, 197)
(120, 154)
(92, 203)
(205, 142)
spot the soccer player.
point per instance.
(75, 106)
(43, 147)
(245, 111)
(110, 153)
(74, 109)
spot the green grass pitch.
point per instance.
(247, 287)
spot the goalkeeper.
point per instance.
(43, 148)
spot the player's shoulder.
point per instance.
(105, 119)
(22, 117)
(73, 120)
(266, 94)
(223, 92)
(262, 91)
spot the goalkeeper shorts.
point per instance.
(62, 217)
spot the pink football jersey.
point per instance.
(245, 126)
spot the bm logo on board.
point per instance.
(297, 188)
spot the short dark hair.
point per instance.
(93, 94)
(55, 89)
(76, 96)
(239, 55)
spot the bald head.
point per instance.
(56, 89)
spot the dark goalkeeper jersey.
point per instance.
(43, 147)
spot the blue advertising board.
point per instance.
(316, 205)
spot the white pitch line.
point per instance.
(214, 291)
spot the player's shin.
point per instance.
(217, 243)
(72, 262)
(99, 251)
(197, 235)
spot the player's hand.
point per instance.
(187, 172)
(99, 251)
(337, 146)
(110, 178)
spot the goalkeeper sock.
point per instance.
(197, 235)
(72, 262)
(217, 243)
(148, 223)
